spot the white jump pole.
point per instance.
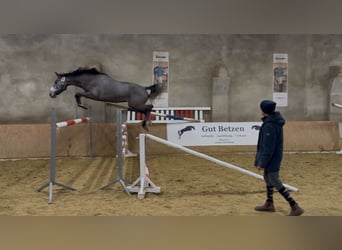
(174, 117)
(337, 105)
(209, 158)
(143, 184)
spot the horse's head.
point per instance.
(59, 86)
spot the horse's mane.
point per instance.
(82, 70)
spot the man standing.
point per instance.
(269, 155)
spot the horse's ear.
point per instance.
(58, 75)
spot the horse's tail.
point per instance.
(155, 90)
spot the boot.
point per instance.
(296, 210)
(267, 207)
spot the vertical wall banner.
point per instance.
(160, 74)
(280, 79)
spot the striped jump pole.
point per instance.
(72, 122)
(54, 126)
(175, 117)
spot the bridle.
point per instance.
(62, 83)
(59, 86)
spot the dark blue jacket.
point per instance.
(270, 143)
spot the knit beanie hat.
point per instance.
(268, 106)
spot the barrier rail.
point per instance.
(121, 138)
(54, 126)
(143, 184)
(171, 113)
(72, 122)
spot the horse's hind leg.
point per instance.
(147, 113)
(146, 110)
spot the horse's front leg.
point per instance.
(78, 99)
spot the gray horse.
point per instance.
(101, 87)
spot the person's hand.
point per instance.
(260, 168)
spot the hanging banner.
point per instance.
(213, 133)
(280, 76)
(160, 74)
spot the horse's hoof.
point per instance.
(144, 126)
(84, 107)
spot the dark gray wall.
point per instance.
(28, 63)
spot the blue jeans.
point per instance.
(272, 180)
